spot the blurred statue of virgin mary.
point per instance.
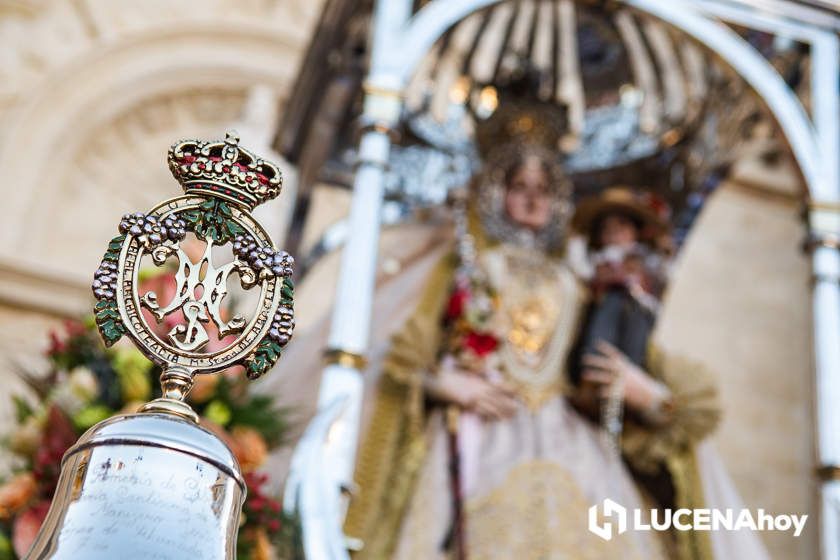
(476, 442)
(474, 448)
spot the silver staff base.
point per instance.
(151, 486)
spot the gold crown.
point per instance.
(522, 122)
(225, 170)
(522, 116)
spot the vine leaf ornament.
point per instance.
(222, 184)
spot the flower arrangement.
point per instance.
(87, 383)
(468, 320)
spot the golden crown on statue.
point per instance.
(225, 170)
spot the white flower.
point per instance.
(76, 391)
(83, 383)
(27, 437)
(66, 399)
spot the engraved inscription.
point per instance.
(141, 502)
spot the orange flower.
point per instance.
(203, 388)
(250, 448)
(262, 546)
(246, 444)
(16, 493)
(227, 437)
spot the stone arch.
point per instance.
(57, 120)
(53, 131)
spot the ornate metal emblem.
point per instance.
(222, 183)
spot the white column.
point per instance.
(351, 315)
(354, 300)
(350, 329)
(826, 310)
(324, 460)
(825, 225)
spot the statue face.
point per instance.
(618, 229)
(528, 196)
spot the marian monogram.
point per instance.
(223, 183)
(202, 278)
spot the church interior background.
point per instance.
(93, 92)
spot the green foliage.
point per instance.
(108, 321)
(213, 219)
(114, 248)
(257, 411)
(22, 409)
(90, 415)
(106, 313)
(6, 552)
(287, 291)
(264, 357)
(262, 415)
(218, 412)
(133, 371)
(290, 542)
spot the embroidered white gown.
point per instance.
(529, 480)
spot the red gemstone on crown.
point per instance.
(224, 169)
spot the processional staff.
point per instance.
(155, 484)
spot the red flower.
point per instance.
(57, 440)
(480, 343)
(255, 479)
(57, 345)
(657, 205)
(69, 342)
(256, 503)
(455, 307)
(74, 328)
(26, 527)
